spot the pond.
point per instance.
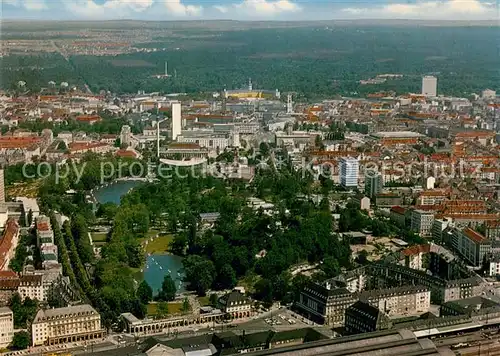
(112, 192)
(157, 266)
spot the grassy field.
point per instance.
(99, 237)
(29, 190)
(248, 282)
(173, 308)
(159, 244)
(204, 301)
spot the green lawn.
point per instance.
(159, 244)
(204, 301)
(173, 308)
(99, 236)
(249, 281)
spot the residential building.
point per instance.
(421, 222)
(325, 303)
(388, 200)
(398, 215)
(362, 201)
(362, 317)
(31, 286)
(235, 304)
(439, 226)
(349, 172)
(494, 266)
(402, 300)
(69, 324)
(471, 245)
(429, 86)
(374, 183)
(9, 284)
(493, 230)
(6, 327)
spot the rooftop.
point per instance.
(474, 235)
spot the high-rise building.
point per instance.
(125, 135)
(374, 184)
(429, 85)
(6, 327)
(176, 120)
(2, 187)
(349, 172)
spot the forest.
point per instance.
(312, 61)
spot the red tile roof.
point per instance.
(88, 118)
(398, 210)
(11, 230)
(127, 153)
(414, 250)
(474, 235)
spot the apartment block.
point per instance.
(62, 325)
(400, 300)
(362, 317)
(471, 245)
(421, 222)
(6, 326)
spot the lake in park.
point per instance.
(113, 192)
(157, 265)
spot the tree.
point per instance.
(226, 277)
(168, 289)
(161, 310)
(200, 273)
(185, 305)
(20, 341)
(330, 267)
(144, 292)
(213, 299)
(29, 219)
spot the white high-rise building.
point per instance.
(429, 85)
(6, 326)
(349, 172)
(176, 120)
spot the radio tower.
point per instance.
(289, 104)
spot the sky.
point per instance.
(250, 9)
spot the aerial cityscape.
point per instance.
(208, 186)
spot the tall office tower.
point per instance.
(429, 85)
(2, 187)
(373, 183)
(176, 120)
(349, 172)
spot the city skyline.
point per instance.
(253, 10)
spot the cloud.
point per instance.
(110, 8)
(177, 8)
(29, 5)
(447, 9)
(220, 8)
(254, 8)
